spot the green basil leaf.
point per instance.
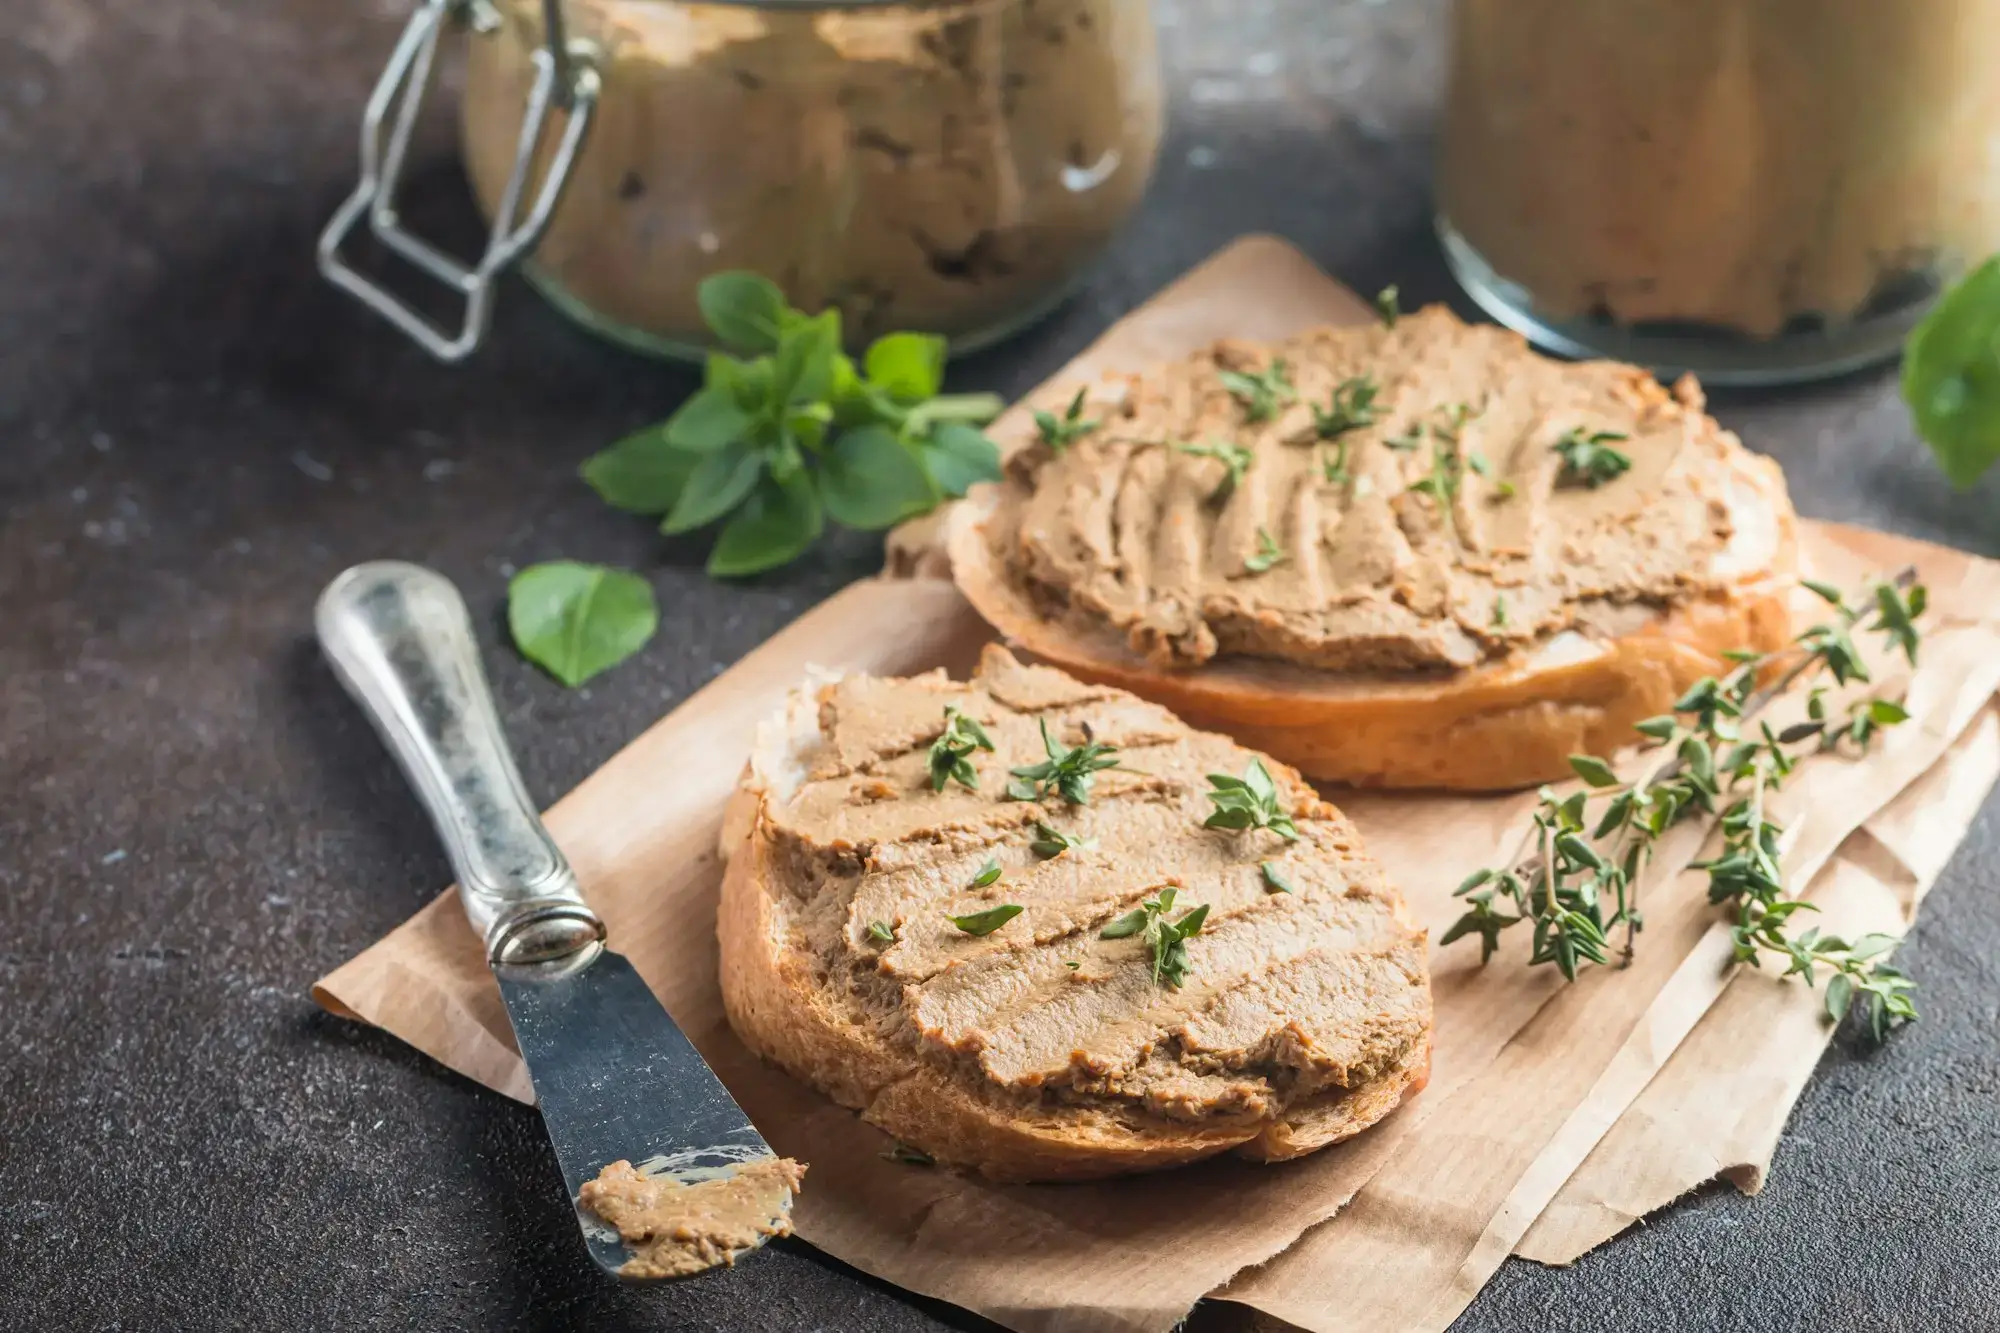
(803, 370)
(1951, 375)
(575, 620)
(959, 456)
(642, 473)
(716, 486)
(870, 480)
(907, 366)
(708, 421)
(746, 310)
(776, 525)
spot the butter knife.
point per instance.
(614, 1077)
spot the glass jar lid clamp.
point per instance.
(565, 77)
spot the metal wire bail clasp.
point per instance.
(564, 77)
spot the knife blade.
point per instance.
(614, 1076)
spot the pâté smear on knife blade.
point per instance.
(615, 1078)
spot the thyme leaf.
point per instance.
(1268, 553)
(1388, 305)
(987, 921)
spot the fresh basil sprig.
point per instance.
(787, 432)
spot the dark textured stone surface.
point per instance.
(195, 434)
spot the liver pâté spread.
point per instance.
(1409, 497)
(1292, 999)
(679, 1228)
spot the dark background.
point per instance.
(195, 434)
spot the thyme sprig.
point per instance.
(1051, 842)
(1235, 459)
(1441, 483)
(1576, 879)
(1268, 552)
(1165, 940)
(1352, 407)
(1588, 458)
(1251, 801)
(951, 753)
(1334, 469)
(1060, 432)
(1260, 392)
(1068, 770)
(1389, 305)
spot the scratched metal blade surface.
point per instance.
(616, 1078)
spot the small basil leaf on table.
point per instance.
(907, 366)
(958, 456)
(575, 620)
(870, 480)
(717, 485)
(1951, 376)
(746, 310)
(776, 524)
(642, 473)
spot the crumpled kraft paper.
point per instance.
(1136, 1254)
(1717, 1108)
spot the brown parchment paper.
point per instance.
(1457, 1176)
(1461, 1192)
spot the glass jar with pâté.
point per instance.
(947, 165)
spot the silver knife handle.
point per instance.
(400, 639)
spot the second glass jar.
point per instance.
(1756, 190)
(946, 167)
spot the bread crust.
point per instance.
(776, 993)
(1507, 724)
